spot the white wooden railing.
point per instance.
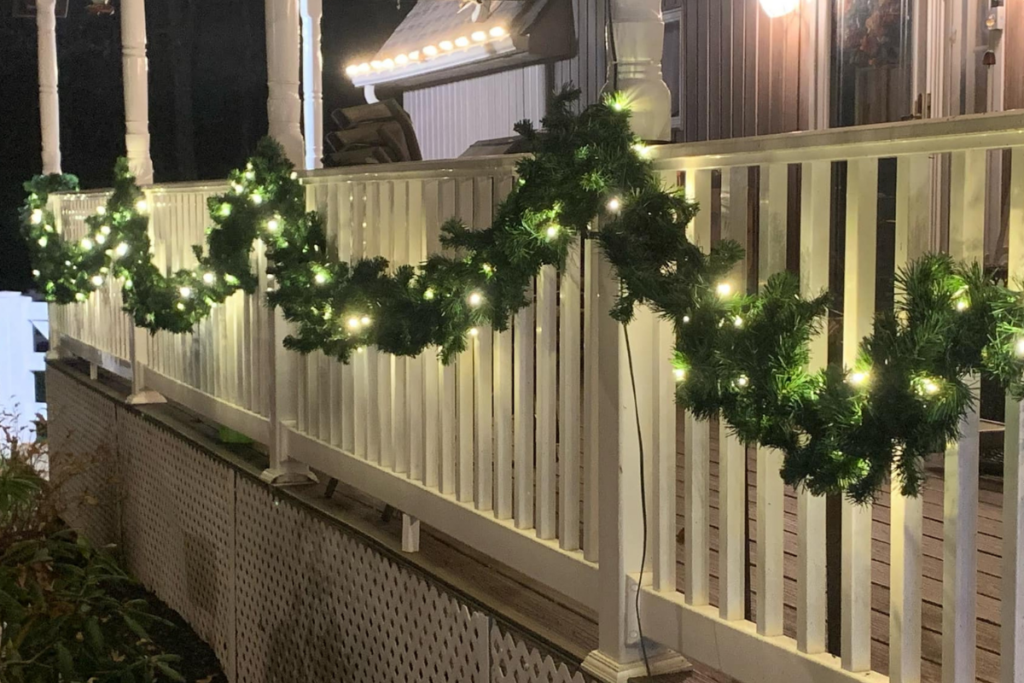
(503, 449)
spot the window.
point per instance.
(671, 61)
(40, 377)
(39, 341)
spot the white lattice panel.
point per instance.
(315, 604)
(515, 661)
(83, 456)
(179, 527)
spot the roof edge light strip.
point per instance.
(427, 52)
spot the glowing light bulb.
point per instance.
(352, 70)
(273, 224)
(686, 319)
(614, 204)
(294, 175)
(101, 211)
(364, 68)
(478, 36)
(680, 374)
(742, 381)
(929, 386)
(237, 187)
(181, 306)
(35, 273)
(389, 63)
(353, 323)
(79, 296)
(97, 280)
(430, 51)
(552, 232)
(498, 32)
(101, 238)
(778, 8)
(365, 320)
(225, 210)
(475, 299)
(737, 321)
(401, 60)
(122, 249)
(859, 379)
(723, 289)
(87, 244)
(377, 64)
(446, 45)
(209, 278)
(414, 56)
(962, 305)
(473, 332)
(42, 241)
(105, 229)
(642, 150)
(428, 294)
(256, 198)
(37, 217)
(185, 292)
(142, 206)
(462, 41)
(320, 278)
(1019, 347)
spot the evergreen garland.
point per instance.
(741, 357)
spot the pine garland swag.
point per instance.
(743, 358)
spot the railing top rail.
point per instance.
(425, 170)
(981, 131)
(219, 185)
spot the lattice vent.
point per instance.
(83, 457)
(179, 526)
(515, 661)
(316, 604)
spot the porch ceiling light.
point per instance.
(429, 51)
(778, 8)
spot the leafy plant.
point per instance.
(61, 614)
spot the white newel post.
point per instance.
(49, 109)
(284, 108)
(136, 89)
(635, 69)
(312, 82)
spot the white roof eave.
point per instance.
(459, 63)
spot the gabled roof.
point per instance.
(436, 42)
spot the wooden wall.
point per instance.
(588, 69)
(741, 70)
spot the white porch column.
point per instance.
(49, 109)
(635, 67)
(136, 89)
(312, 82)
(284, 106)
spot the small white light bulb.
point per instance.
(225, 209)
(473, 332)
(478, 36)
(42, 241)
(353, 323)
(273, 224)
(1019, 347)
(462, 41)
(87, 244)
(185, 292)
(105, 229)
(122, 249)
(475, 299)
(742, 381)
(256, 198)
(614, 204)
(428, 294)
(365, 320)
(446, 45)
(858, 379)
(498, 32)
(37, 217)
(209, 278)
(101, 210)
(320, 278)
(142, 206)
(680, 374)
(723, 289)
(552, 232)
(97, 280)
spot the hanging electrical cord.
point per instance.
(613, 52)
(643, 499)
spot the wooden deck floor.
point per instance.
(989, 566)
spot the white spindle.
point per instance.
(359, 358)
(774, 197)
(432, 430)
(913, 228)
(960, 506)
(503, 373)
(1012, 636)
(547, 362)
(858, 314)
(399, 455)
(816, 179)
(372, 227)
(698, 434)
(732, 453)
(569, 404)
(525, 334)
(591, 379)
(448, 377)
(483, 370)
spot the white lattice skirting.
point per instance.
(281, 594)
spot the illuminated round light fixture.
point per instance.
(376, 64)
(462, 41)
(446, 45)
(498, 32)
(430, 51)
(352, 70)
(778, 8)
(364, 68)
(414, 56)
(389, 63)
(401, 60)
(478, 36)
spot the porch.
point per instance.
(525, 448)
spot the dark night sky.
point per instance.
(229, 91)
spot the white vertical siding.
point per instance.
(449, 118)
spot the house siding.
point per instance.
(449, 118)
